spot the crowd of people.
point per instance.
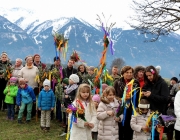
(118, 111)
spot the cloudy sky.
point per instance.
(85, 9)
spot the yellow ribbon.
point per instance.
(37, 78)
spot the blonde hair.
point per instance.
(86, 88)
(106, 92)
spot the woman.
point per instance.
(139, 75)
(125, 131)
(17, 67)
(4, 64)
(155, 91)
(29, 73)
(82, 73)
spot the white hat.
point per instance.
(74, 78)
(46, 82)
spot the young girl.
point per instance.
(46, 103)
(138, 123)
(11, 92)
(81, 128)
(25, 97)
(96, 99)
(107, 114)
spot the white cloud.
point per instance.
(85, 9)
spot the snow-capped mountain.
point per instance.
(35, 36)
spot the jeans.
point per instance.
(10, 108)
(29, 109)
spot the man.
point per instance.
(37, 62)
(69, 69)
(115, 74)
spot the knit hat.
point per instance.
(66, 81)
(104, 86)
(96, 98)
(56, 58)
(175, 79)
(74, 78)
(144, 104)
(22, 81)
(13, 79)
(158, 68)
(46, 83)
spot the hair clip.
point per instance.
(152, 71)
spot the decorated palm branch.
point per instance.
(43, 74)
(6, 72)
(102, 66)
(61, 44)
(75, 56)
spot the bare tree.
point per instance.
(156, 17)
(117, 62)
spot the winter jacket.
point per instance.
(12, 89)
(78, 130)
(108, 127)
(159, 95)
(25, 95)
(68, 71)
(177, 111)
(137, 122)
(46, 100)
(71, 97)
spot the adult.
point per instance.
(54, 81)
(82, 73)
(156, 91)
(173, 81)
(17, 67)
(139, 75)
(173, 88)
(69, 69)
(38, 63)
(29, 73)
(4, 64)
(115, 75)
(125, 131)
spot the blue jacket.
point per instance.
(25, 95)
(46, 100)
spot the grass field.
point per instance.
(11, 130)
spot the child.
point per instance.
(46, 103)
(107, 115)
(25, 97)
(11, 92)
(96, 99)
(138, 123)
(70, 93)
(81, 128)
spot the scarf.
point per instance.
(71, 88)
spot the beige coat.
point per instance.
(78, 130)
(137, 122)
(108, 127)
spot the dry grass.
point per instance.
(11, 130)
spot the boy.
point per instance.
(25, 97)
(46, 103)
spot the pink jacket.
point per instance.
(108, 127)
(137, 122)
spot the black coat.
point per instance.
(159, 95)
